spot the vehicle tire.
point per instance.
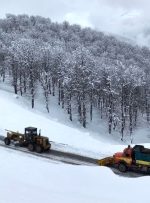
(48, 149)
(38, 149)
(31, 147)
(7, 141)
(21, 143)
(148, 171)
(122, 167)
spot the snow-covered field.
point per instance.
(28, 179)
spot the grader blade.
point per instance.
(108, 161)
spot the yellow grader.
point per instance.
(30, 139)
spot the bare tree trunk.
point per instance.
(24, 83)
(84, 115)
(32, 87)
(32, 94)
(147, 106)
(70, 117)
(110, 110)
(49, 86)
(3, 74)
(15, 78)
(101, 108)
(131, 116)
(59, 93)
(70, 109)
(62, 96)
(91, 105)
(79, 109)
(46, 100)
(20, 86)
(122, 114)
(135, 115)
(53, 86)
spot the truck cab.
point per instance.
(122, 161)
(138, 159)
(30, 133)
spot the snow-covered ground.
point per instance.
(29, 179)
(26, 179)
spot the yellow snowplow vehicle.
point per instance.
(30, 139)
(135, 158)
(108, 161)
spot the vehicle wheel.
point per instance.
(48, 149)
(38, 149)
(148, 170)
(7, 141)
(31, 147)
(21, 143)
(122, 167)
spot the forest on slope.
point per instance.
(87, 70)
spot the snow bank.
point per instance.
(26, 179)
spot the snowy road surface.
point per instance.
(65, 157)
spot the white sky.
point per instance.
(128, 18)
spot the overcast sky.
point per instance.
(129, 18)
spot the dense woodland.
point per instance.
(87, 70)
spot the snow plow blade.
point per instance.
(108, 161)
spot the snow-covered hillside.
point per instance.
(15, 116)
(28, 179)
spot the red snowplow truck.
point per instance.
(135, 158)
